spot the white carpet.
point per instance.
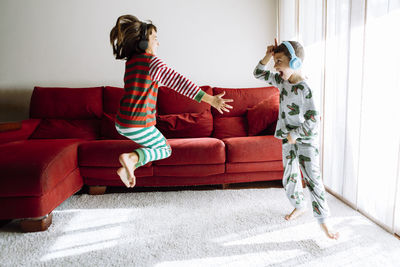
(197, 228)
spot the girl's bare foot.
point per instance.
(330, 234)
(128, 161)
(123, 175)
(295, 213)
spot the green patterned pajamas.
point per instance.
(154, 145)
(299, 117)
(304, 157)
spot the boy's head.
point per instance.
(130, 36)
(282, 58)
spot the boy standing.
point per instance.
(297, 126)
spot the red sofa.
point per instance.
(70, 140)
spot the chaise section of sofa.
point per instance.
(39, 161)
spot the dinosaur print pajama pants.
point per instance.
(304, 157)
(154, 145)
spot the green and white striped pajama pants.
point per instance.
(305, 157)
(154, 145)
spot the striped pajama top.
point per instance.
(143, 72)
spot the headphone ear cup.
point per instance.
(143, 44)
(295, 63)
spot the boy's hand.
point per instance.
(269, 53)
(218, 102)
(291, 140)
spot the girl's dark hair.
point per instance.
(125, 36)
(298, 49)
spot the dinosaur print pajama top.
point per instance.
(299, 117)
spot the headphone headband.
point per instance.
(295, 62)
(143, 43)
(290, 48)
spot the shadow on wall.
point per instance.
(14, 104)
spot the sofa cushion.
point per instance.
(229, 127)
(66, 103)
(185, 124)
(104, 153)
(243, 99)
(108, 130)
(111, 97)
(34, 167)
(262, 115)
(194, 151)
(253, 149)
(26, 130)
(171, 102)
(64, 129)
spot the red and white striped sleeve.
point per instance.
(172, 79)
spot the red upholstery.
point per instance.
(35, 167)
(64, 129)
(234, 123)
(108, 130)
(37, 206)
(111, 98)
(27, 128)
(105, 153)
(67, 103)
(181, 104)
(185, 124)
(253, 149)
(67, 112)
(41, 165)
(243, 98)
(263, 114)
(263, 166)
(189, 170)
(194, 151)
(229, 127)
(109, 176)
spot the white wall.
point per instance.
(66, 43)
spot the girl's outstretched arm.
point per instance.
(159, 71)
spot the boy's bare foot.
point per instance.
(295, 213)
(330, 234)
(123, 175)
(128, 161)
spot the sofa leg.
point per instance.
(36, 224)
(225, 186)
(97, 190)
(4, 222)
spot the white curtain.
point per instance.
(352, 58)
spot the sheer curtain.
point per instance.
(353, 64)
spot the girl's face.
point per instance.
(282, 65)
(153, 43)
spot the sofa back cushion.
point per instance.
(171, 102)
(234, 123)
(67, 112)
(111, 98)
(177, 115)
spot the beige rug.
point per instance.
(197, 228)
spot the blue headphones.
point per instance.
(294, 62)
(143, 42)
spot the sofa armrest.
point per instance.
(15, 131)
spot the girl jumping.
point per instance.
(136, 42)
